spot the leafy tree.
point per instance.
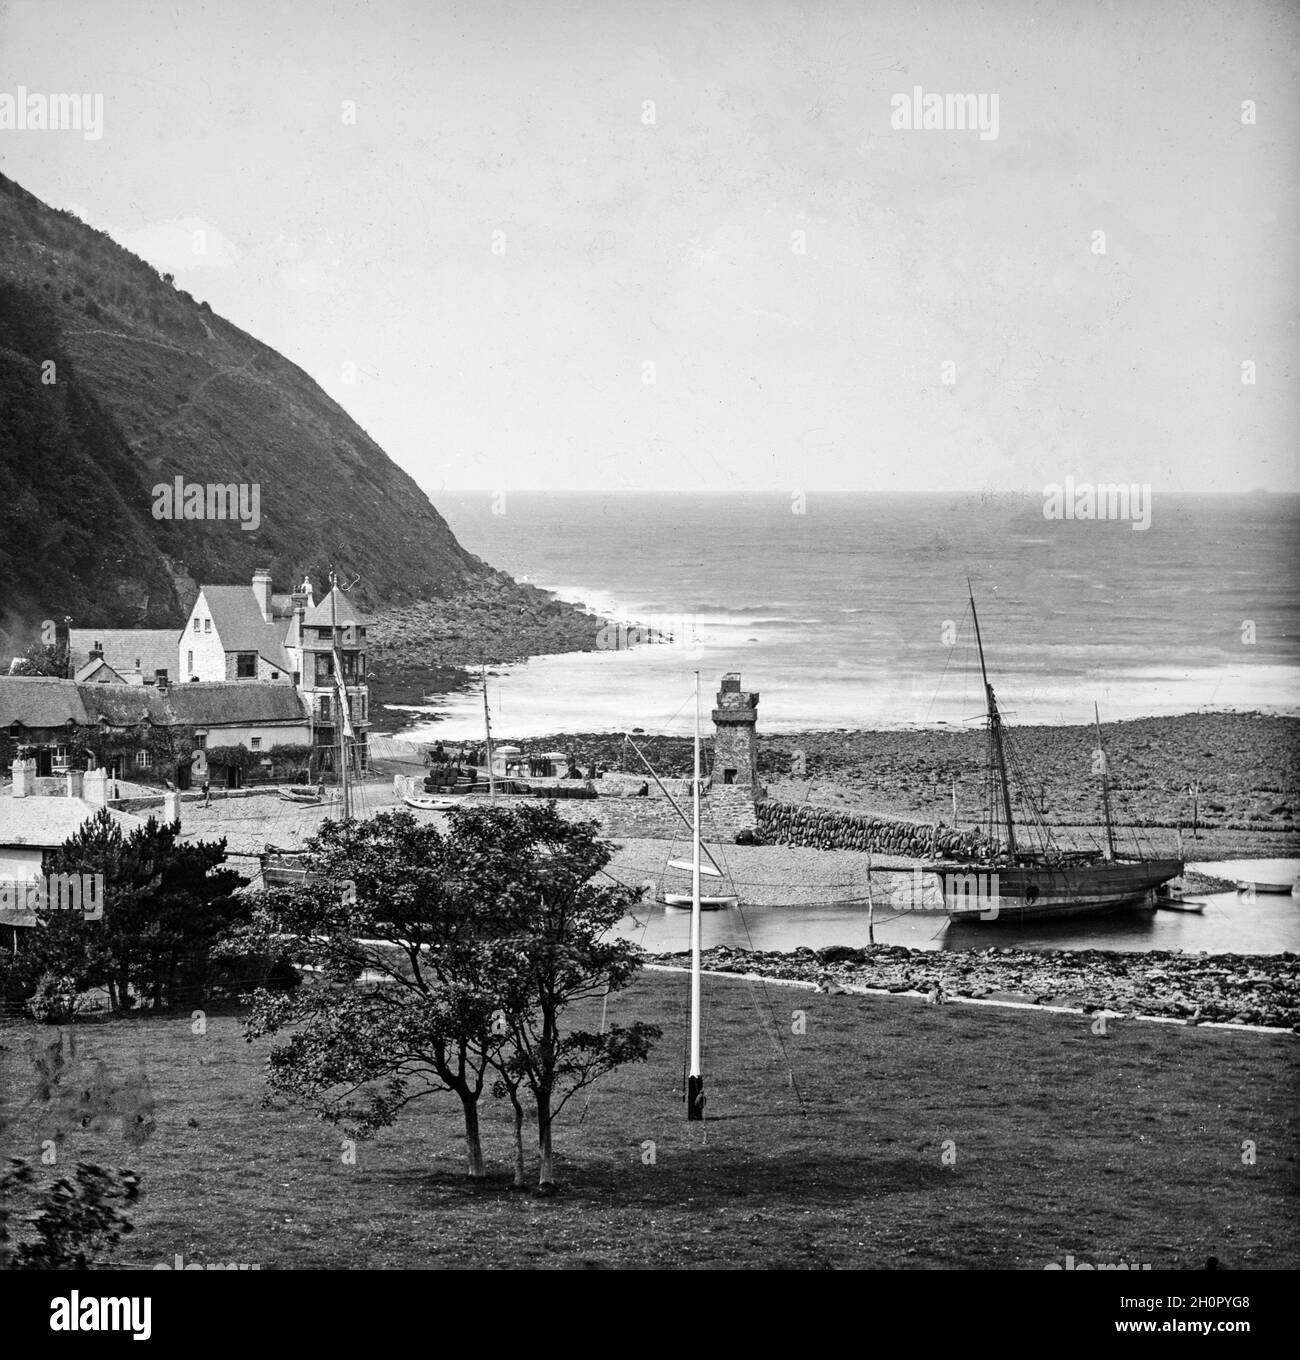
(44, 658)
(165, 906)
(397, 938)
(538, 877)
(445, 958)
(76, 1218)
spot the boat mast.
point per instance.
(487, 728)
(1105, 787)
(694, 1080)
(995, 730)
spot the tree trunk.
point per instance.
(520, 1169)
(473, 1145)
(546, 1178)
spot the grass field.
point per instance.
(1123, 1147)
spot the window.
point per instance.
(255, 743)
(189, 662)
(207, 625)
(325, 707)
(60, 761)
(196, 625)
(246, 665)
(201, 741)
(363, 708)
(275, 675)
(143, 760)
(728, 776)
(324, 668)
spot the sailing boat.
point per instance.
(1045, 883)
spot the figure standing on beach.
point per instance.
(207, 792)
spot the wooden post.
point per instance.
(871, 906)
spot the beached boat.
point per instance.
(283, 868)
(298, 795)
(1264, 886)
(1015, 883)
(426, 804)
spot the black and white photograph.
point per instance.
(650, 635)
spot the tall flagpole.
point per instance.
(695, 1081)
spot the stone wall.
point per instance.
(724, 813)
(830, 829)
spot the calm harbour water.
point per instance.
(1230, 923)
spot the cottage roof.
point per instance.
(98, 671)
(128, 649)
(45, 823)
(241, 627)
(242, 701)
(40, 701)
(125, 705)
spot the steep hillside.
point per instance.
(148, 385)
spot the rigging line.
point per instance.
(947, 661)
(604, 1006)
(776, 1029)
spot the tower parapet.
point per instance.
(735, 742)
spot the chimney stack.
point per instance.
(262, 591)
(73, 783)
(24, 772)
(95, 787)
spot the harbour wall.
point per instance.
(824, 828)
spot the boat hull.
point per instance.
(682, 902)
(1009, 894)
(1279, 889)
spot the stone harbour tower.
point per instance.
(735, 743)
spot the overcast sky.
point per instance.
(671, 242)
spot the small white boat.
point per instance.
(1256, 885)
(683, 902)
(431, 804)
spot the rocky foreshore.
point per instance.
(1242, 989)
(437, 645)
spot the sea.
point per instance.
(848, 611)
